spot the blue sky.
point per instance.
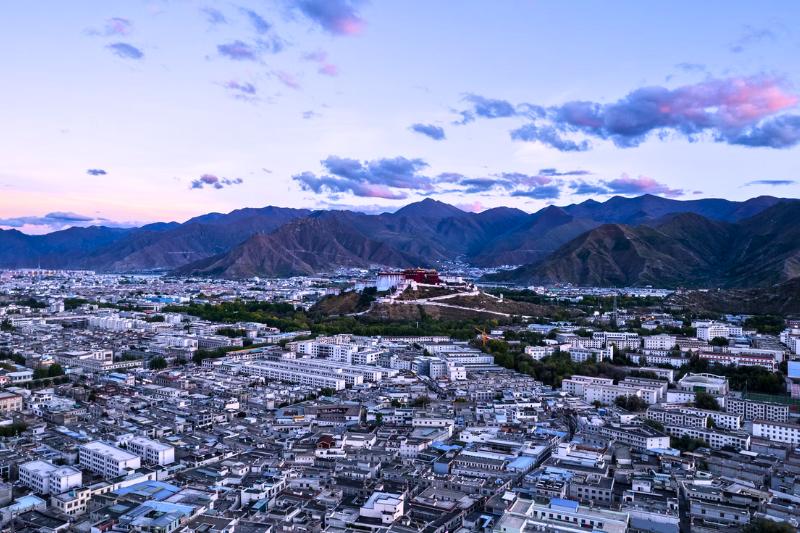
(130, 112)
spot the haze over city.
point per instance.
(124, 113)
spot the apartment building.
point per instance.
(621, 339)
(46, 478)
(152, 451)
(577, 384)
(293, 374)
(777, 431)
(641, 438)
(606, 394)
(540, 352)
(560, 516)
(741, 359)
(10, 402)
(659, 342)
(675, 417)
(715, 438)
(107, 460)
(579, 354)
(753, 410)
(709, 330)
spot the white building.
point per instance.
(107, 460)
(384, 506)
(540, 352)
(660, 342)
(295, 374)
(710, 383)
(152, 451)
(753, 410)
(777, 431)
(715, 438)
(580, 355)
(710, 330)
(621, 339)
(46, 478)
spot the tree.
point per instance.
(719, 341)
(703, 400)
(764, 525)
(655, 424)
(5, 325)
(687, 443)
(55, 370)
(421, 401)
(631, 403)
(327, 391)
(157, 363)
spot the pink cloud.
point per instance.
(287, 79)
(326, 68)
(641, 185)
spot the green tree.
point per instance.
(704, 400)
(5, 325)
(630, 403)
(655, 424)
(719, 341)
(55, 370)
(764, 525)
(157, 363)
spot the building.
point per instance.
(710, 330)
(715, 438)
(639, 437)
(46, 478)
(753, 410)
(384, 506)
(717, 385)
(152, 451)
(107, 460)
(10, 402)
(659, 342)
(777, 431)
(304, 376)
(560, 516)
(623, 340)
(741, 359)
(579, 354)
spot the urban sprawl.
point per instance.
(156, 404)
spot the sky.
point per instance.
(129, 112)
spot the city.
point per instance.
(372, 266)
(125, 411)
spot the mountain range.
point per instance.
(622, 241)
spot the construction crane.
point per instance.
(484, 335)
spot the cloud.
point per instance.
(325, 67)
(751, 36)
(115, 26)
(310, 114)
(515, 183)
(258, 22)
(434, 132)
(387, 178)
(772, 183)
(472, 207)
(287, 79)
(641, 185)
(238, 51)
(125, 51)
(212, 181)
(691, 67)
(556, 172)
(338, 17)
(53, 222)
(482, 107)
(548, 135)
(241, 90)
(96, 172)
(739, 111)
(544, 192)
(584, 188)
(778, 132)
(214, 16)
